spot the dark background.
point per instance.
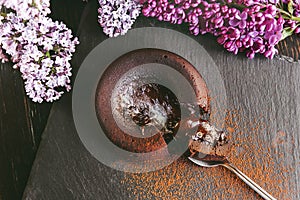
(22, 121)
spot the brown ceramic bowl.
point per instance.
(116, 70)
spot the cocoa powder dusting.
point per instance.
(251, 153)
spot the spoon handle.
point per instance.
(249, 182)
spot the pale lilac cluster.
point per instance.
(41, 49)
(27, 9)
(251, 26)
(116, 17)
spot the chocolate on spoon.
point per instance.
(209, 140)
(209, 148)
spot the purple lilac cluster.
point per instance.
(117, 16)
(251, 26)
(40, 48)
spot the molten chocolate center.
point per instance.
(157, 106)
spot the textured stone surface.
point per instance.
(260, 89)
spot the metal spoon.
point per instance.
(214, 161)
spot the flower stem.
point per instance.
(295, 18)
(3, 14)
(284, 12)
(287, 15)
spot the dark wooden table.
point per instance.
(258, 87)
(22, 121)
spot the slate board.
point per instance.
(268, 90)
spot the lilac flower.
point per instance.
(40, 48)
(250, 26)
(255, 28)
(239, 20)
(271, 52)
(117, 16)
(28, 9)
(274, 35)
